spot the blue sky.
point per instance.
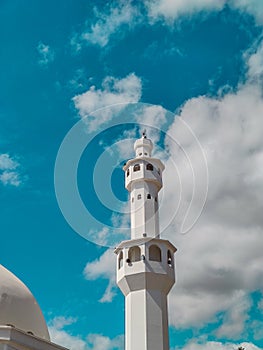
(185, 65)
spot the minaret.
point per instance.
(145, 263)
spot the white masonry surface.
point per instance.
(145, 263)
(22, 325)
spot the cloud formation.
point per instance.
(103, 267)
(219, 260)
(118, 18)
(64, 338)
(170, 10)
(110, 22)
(212, 345)
(46, 54)
(113, 91)
(252, 7)
(9, 174)
(60, 336)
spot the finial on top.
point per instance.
(144, 134)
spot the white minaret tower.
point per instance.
(145, 263)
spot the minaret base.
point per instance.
(146, 320)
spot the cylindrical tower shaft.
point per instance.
(144, 209)
(149, 322)
(143, 179)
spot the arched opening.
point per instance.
(169, 258)
(136, 167)
(128, 172)
(120, 260)
(149, 196)
(134, 254)
(139, 196)
(155, 253)
(149, 166)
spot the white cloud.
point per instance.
(220, 257)
(235, 318)
(59, 336)
(113, 19)
(9, 174)
(7, 163)
(114, 92)
(100, 237)
(104, 267)
(255, 62)
(100, 342)
(111, 22)
(10, 178)
(212, 345)
(60, 322)
(257, 329)
(46, 54)
(152, 115)
(260, 305)
(67, 340)
(125, 145)
(170, 10)
(62, 337)
(253, 7)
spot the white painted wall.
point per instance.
(143, 280)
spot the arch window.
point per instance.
(155, 253)
(120, 260)
(169, 258)
(134, 254)
(139, 196)
(149, 166)
(132, 199)
(128, 172)
(149, 196)
(136, 167)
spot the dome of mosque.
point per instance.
(18, 307)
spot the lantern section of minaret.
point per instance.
(145, 263)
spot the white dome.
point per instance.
(18, 306)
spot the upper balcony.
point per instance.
(146, 169)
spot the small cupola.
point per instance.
(143, 146)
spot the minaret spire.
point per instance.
(145, 263)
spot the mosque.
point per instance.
(145, 272)
(22, 325)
